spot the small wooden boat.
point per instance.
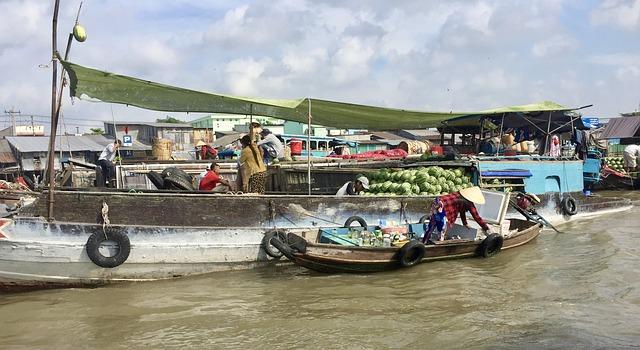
(321, 250)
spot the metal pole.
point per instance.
(546, 139)
(54, 109)
(309, 146)
(501, 128)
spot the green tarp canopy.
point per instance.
(91, 84)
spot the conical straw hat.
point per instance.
(473, 194)
(200, 143)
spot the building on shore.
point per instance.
(181, 135)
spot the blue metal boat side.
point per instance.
(547, 175)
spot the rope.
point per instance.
(105, 218)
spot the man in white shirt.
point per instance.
(105, 161)
(271, 145)
(631, 154)
(353, 188)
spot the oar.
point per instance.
(533, 217)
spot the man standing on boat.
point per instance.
(631, 154)
(353, 188)
(105, 161)
(458, 203)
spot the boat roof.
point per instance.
(100, 86)
(620, 128)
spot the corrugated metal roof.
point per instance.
(385, 135)
(153, 124)
(104, 141)
(27, 144)
(6, 154)
(619, 128)
(226, 140)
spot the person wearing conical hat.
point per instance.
(206, 151)
(458, 203)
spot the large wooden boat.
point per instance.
(174, 234)
(305, 249)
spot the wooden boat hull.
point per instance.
(175, 235)
(331, 258)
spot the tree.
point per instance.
(96, 131)
(170, 119)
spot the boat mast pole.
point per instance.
(309, 146)
(54, 109)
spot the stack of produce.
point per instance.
(423, 181)
(615, 163)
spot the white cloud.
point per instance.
(622, 13)
(556, 45)
(302, 61)
(351, 60)
(626, 65)
(414, 54)
(243, 75)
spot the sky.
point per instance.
(459, 55)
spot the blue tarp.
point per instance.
(507, 172)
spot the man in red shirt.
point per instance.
(461, 202)
(212, 180)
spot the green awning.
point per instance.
(95, 85)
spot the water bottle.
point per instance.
(386, 240)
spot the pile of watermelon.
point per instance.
(615, 163)
(423, 181)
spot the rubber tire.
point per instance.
(357, 219)
(178, 182)
(411, 253)
(93, 251)
(569, 206)
(282, 247)
(491, 245)
(156, 179)
(266, 243)
(175, 172)
(29, 182)
(424, 219)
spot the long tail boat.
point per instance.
(306, 249)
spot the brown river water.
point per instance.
(575, 290)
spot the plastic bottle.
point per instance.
(386, 240)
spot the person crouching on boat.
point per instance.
(105, 161)
(458, 203)
(353, 188)
(212, 181)
(437, 221)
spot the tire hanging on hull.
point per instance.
(93, 249)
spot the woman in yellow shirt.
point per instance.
(252, 169)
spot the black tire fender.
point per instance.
(269, 236)
(156, 179)
(569, 206)
(357, 219)
(491, 245)
(282, 246)
(411, 253)
(179, 182)
(175, 172)
(93, 249)
(424, 218)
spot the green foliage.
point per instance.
(171, 120)
(97, 131)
